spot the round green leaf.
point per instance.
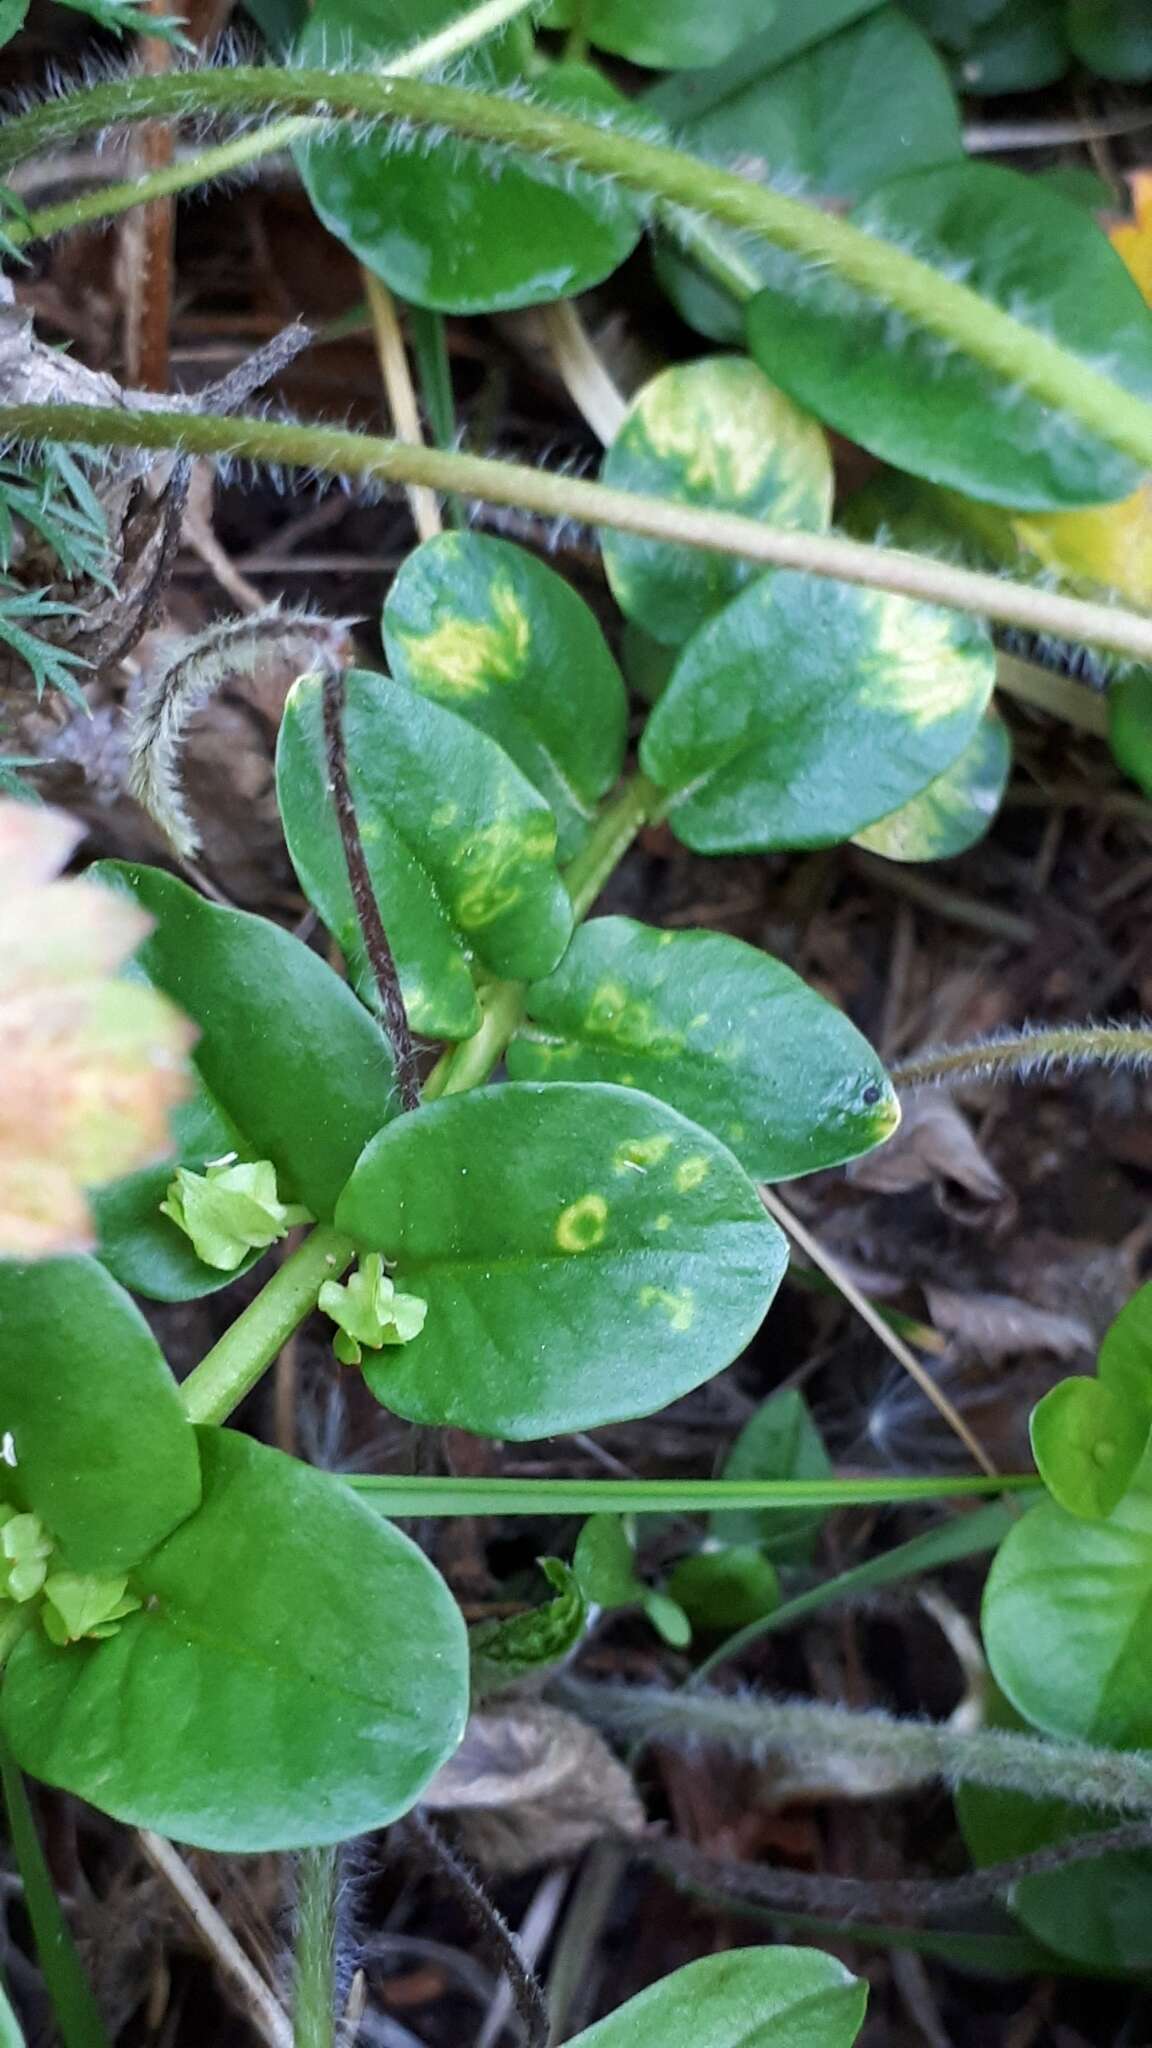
(104, 1452)
(915, 402)
(1067, 1615)
(856, 107)
(727, 1035)
(586, 1254)
(715, 433)
(144, 1250)
(1113, 37)
(459, 845)
(450, 224)
(1023, 47)
(1087, 1442)
(954, 811)
(482, 627)
(285, 1049)
(809, 709)
(780, 1441)
(750, 1998)
(1125, 1360)
(671, 35)
(726, 1588)
(296, 1674)
(1093, 1912)
(1130, 725)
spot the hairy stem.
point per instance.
(938, 304)
(334, 451)
(372, 932)
(496, 1936)
(1030, 1054)
(807, 1733)
(231, 1369)
(317, 1886)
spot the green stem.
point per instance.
(233, 1366)
(404, 1497)
(77, 2014)
(636, 803)
(469, 1064)
(335, 451)
(317, 1886)
(939, 305)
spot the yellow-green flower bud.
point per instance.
(369, 1311)
(230, 1209)
(25, 1548)
(77, 1605)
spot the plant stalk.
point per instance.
(404, 1497)
(337, 452)
(938, 304)
(317, 1886)
(231, 1369)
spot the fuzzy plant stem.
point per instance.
(806, 1733)
(333, 451)
(938, 305)
(317, 1891)
(1030, 1054)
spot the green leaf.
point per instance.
(954, 811)
(459, 846)
(605, 1569)
(1113, 37)
(1022, 48)
(1087, 1442)
(285, 1049)
(780, 1441)
(104, 1452)
(624, 1260)
(676, 35)
(12, 13)
(1130, 726)
(1067, 1611)
(142, 1248)
(750, 1998)
(727, 1035)
(725, 1588)
(854, 108)
(910, 399)
(714, 433)
(809, 709)
(451, 224)
(296, 1675)
(1093, 1912)
(503, 1651)
(482, 627)
(1089, 1436)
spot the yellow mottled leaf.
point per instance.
(1107, 544)
(90, 1066)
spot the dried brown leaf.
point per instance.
(934, 1143)
(531, 1784)
(997, 1326)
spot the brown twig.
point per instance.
(376, 946)
(492, 1930)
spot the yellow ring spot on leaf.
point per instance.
(581, 1226)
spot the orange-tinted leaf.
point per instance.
(91, 1066)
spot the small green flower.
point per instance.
(77, 1605)
(25, 1548)
(230, 1209)
(369, 1311)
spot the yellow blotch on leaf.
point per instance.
(678, 1305)
(581, 1226)
(692, 1172)
(1106, 544)
(464, 657)
(91, 1065)
(633, 1153)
